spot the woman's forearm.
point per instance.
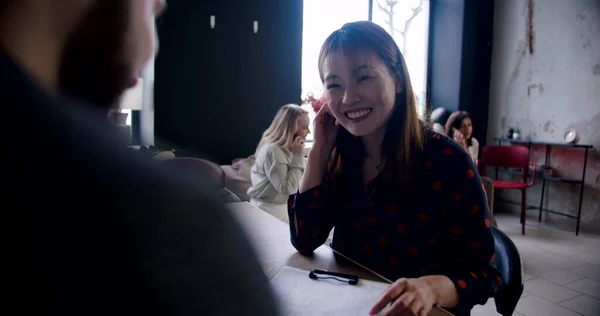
(314, 171)
(443, 289)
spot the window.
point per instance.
(406, 20)
(128, 121)
(408, 23)
(318, 24)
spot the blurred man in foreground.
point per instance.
(92, 229)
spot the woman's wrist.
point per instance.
(315, 168)
(319, 155)
(443, 290)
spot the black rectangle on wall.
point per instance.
(217, 89)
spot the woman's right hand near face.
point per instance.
(326, 128)
(460, 138)
(324, 136)
(297, 145)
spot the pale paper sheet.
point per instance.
(299, 295)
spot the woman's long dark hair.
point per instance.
(455, 121)
(404, 137)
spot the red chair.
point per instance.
(510, 157)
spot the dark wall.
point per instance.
(460, 58)
(217, 90)
(446, 20)
(477, 63)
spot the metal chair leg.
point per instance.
(523, 210)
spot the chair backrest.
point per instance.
(202, 170)
(505, 156)
(440, 116)
(508, 262)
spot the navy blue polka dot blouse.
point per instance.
(439, 227)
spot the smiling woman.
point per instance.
(406, 21)
(405, 202)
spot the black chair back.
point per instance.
(508, 262)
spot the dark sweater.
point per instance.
(92, 229)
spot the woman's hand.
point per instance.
(409, 297)
(326, 127)
(460, 138)
(297, 145)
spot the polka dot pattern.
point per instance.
(316, 193)
(456, 230)
(413, 250)
(440, 226)
(428, 164)
(470, 174)
(457, 197)
(382, 240)
(401, 228)
(391, 208)
(432, 240)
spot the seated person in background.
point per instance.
(460, 127)
(279, 163)
(438, 119)
(405, 202)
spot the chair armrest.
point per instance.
(533, 174)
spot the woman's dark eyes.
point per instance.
(360, 79)
(363, 78)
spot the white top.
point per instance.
(474, 149)
(275, 175)
(439, 128)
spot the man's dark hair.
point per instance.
(94, 66)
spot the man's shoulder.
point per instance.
(67, 147)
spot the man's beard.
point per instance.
(95, 66)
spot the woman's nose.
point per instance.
(351, 95)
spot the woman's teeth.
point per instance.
(358, 113)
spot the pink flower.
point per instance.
(314, 102)
(317, 104)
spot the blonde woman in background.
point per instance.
(279, 164)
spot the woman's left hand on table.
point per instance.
(408, 297)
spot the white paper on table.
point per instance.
(297, 294)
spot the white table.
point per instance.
(270, 238)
